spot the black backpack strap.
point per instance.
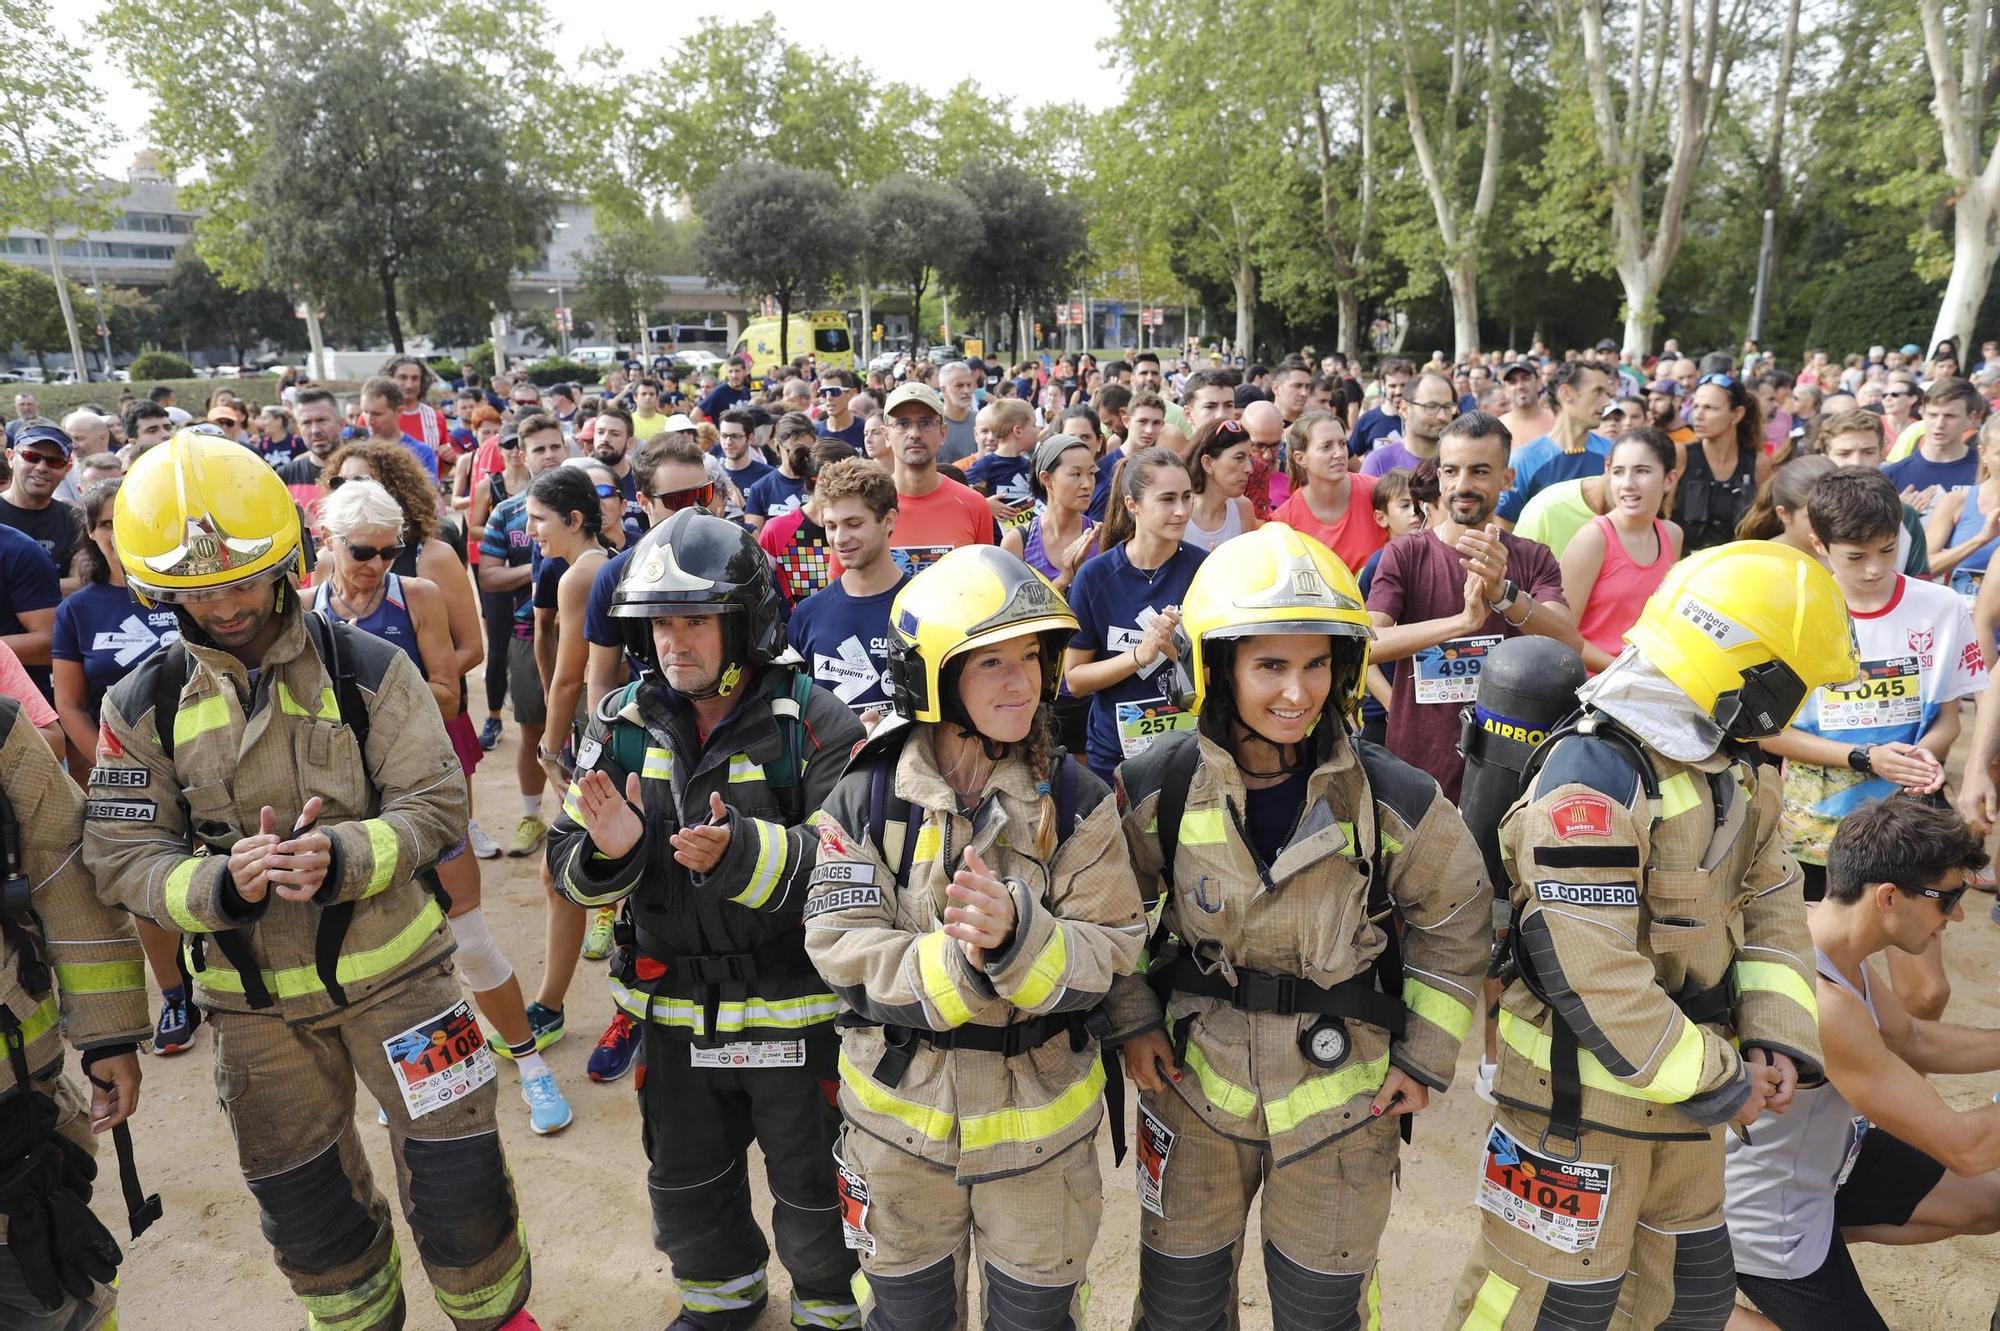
(168, 681)
(1178, 776)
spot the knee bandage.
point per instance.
(479, 957)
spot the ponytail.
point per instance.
(1788, 487)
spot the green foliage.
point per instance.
(623, 269)
(913, 228)
(392, 179)
(444, 367)
(159, 365)
(1031, 242)
(480, 358)
(29, 315)
(194, 309)
(777, 231)
(552, 370)
(1872, 302)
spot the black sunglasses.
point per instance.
(510, 441)
(368, 554)
(831, 390)
(1947, 901)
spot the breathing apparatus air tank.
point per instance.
(1527, 687)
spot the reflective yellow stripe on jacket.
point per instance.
(1678, 1079)
(354, 967)
(731, 1015)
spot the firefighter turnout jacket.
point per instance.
(734, 957)
(158, 829)
(1658, 917)
(983, 1112)
(88, 948)
(1305, 917)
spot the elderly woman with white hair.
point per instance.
(365, 536)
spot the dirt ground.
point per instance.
(583, 1192)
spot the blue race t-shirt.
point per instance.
(773, 496)
(506, 540)
(1114, 602)
(1374, 426)
(28, 581)
(1918, 472)
(425, 454)
(1543, 463)
(851, 435)
(845, 641)
(721, 398)
(106, 629)
(598, 626)
(752, 472)
(1101, 491)
(1006, 478)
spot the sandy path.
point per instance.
(583, 1192)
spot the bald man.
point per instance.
(1269, 485)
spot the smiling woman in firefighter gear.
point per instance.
(273, 788)
(1287, 1021)
(1665, 972)
(692, 791)
(971, 906)
(58, 1258)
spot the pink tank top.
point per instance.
(1622, 588)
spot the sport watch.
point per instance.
(1858, 759)
(1508, 594)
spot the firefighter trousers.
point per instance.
(19, 1309)
(1659, 1257)
(289, 1095)
(698, 1124)
(1321, 1215)
(917, 1227)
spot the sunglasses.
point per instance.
(1947, 901)
(368, 554)
(606, 491)
(831, 390)
(701, 496)
(1719, 380)
(510, 441)
(52, 461)
(1899, 392)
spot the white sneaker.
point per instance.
(1482, 1085)
(483, 846)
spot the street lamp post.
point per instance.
(562, 320)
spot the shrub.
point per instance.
(552, 370)
(480, 358)
(151, 365)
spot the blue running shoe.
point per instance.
(617, 1051)
(179, 1018)
(489, 734)
(547, 1110)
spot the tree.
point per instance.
(1461, 223)
(623, 270)
(777, 231)
(1634, 126)
(194, 310)
(29, 313)
(913, 228)
(1961, 104)
(391, 176)
(1031, 243)
(49, 128)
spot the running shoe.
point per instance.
(528, 834)
(489, 734)
(483, 846)
(547, 1110)
(616, 1051)
(547, 1026)
(179, 1018)
(598, 942)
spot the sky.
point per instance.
(1037, 51)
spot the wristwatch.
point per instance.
(1508, 593)
(1857, 758)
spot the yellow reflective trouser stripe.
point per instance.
(1224, 1094)
(100, 977)
(857, 1285)
(383, 854)
(772, 852)
(1437, 1007)
(658, 765)
(1677, 795)
(1492, 1304)
(489, 1301)
(741, 769)
(934, 970)
(1046, 975)
(934, 1124)
(367, 1304)
(1201, 827)
(1678, 1079)
(978, 1131)
(329, 708)
(730, 1015)
(354, 967)
(1375, 1300)
(824, 1313)
(206, 715)
(180, 896)
(1330, 1090)
(1771, 977)
(721, 1296)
